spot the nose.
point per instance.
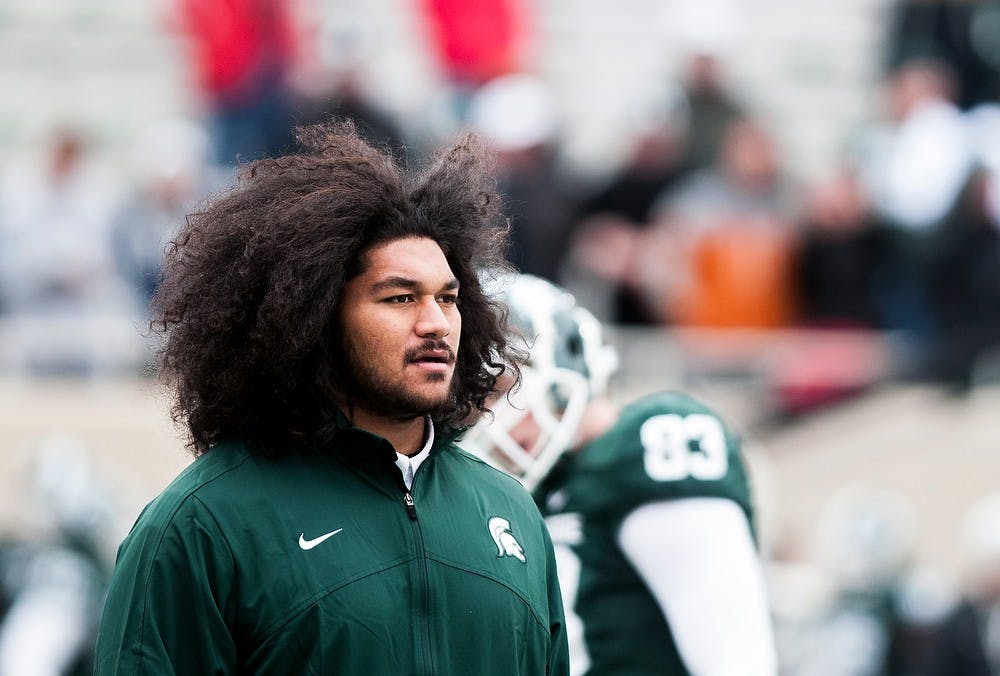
(432, 321)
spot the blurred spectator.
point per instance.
(864, 541)
(914, 164)
(58, 280)
(964, 272)
(984, 125)
(169, 168)
(707, 34)
(964, 284)
(721, 252)
(330, 82)
(969, 642)
(610, 219)
(929, 176)
(926, 596)
(241, 52)
(476, 42)
(841, 256)
(516, 115)
(56, 578)
(54, 231)
(343, 96)
(712, 108)
(962, 35)
(917, 161)
(839, 274)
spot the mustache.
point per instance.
(431, 346)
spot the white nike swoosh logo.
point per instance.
(309, 544)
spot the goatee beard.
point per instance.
(369, 390)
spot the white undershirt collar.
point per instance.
(408, 464)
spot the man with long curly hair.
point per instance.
(326, 334)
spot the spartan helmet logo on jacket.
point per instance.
(569, 364)
(507, 544)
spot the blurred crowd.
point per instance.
(862, 605)
(701, 226)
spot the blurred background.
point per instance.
(788, 208)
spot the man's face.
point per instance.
(402, 328)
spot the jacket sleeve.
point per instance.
(558, 663)
(166, 611)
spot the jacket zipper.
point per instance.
(421, 593)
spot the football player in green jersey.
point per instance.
(326, 335)
(649, 506)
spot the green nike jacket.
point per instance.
(328, 565)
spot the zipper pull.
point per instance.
(411, 509)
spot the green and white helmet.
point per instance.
(569, 364)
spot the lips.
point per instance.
(431, 355)
(435, 357)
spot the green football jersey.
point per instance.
(666, 446)
(329, 565)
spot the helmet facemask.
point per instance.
(533, 425)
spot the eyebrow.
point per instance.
(395, 282)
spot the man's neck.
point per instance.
(406, 436)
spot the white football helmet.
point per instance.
(569, 364)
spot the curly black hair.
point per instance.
(251, 289)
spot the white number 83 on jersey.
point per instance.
(677, 447)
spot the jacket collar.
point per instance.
(444, 435)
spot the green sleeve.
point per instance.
(166, 611)
(558, 664)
